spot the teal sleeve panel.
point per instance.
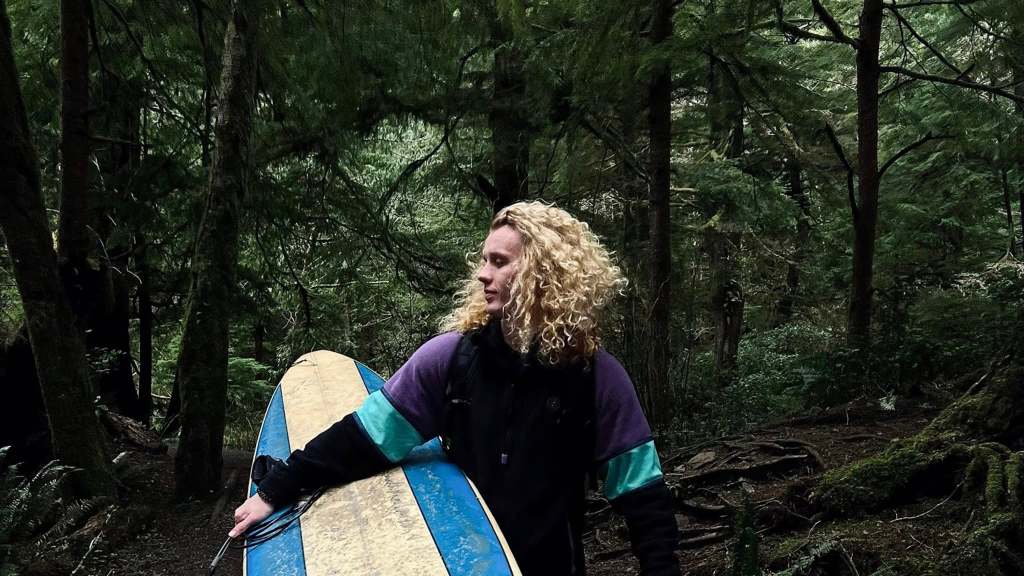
(387, 428)
(634, 468)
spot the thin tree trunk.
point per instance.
(509, 119)
(202, 365)
(1011, 247)
(660, 294)
(145, 331)
(721, 240)
(56, 343)
(1016, 58)
(865, 213)
(635, 221)
(259, 351)
(209, 66)
(795, 191)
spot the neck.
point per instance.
(506, 332)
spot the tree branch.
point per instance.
(849, 169)
(909, 148)
(977, 23)
(953, 82)
(833, 26)
(959, 73)
(792, 29)
(929, 3)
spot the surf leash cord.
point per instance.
(267, 529)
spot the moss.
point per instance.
(875, 482)
(1014, 469)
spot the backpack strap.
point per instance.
(457, 398)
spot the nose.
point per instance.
(484, 275)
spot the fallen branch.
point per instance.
(749, 471)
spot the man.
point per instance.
(524, 398)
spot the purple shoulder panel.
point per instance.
(416, 390)
(621, 424)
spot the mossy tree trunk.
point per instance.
(58, 348)
(202, 364)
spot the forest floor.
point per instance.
(772, 469)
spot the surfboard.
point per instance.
(421, 518)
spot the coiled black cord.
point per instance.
(267, 529)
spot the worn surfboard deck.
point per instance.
(422, 518)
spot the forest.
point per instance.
(818, 205)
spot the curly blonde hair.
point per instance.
(564, 279)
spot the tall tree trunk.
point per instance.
(145, 313)
(1016, 58)
(209, 67)
(660, 272)
(1011, 243)
(202, 365)
(796, 193)
(56, 343)
(259, 351)
(509, 119)
(73, 242)
(97, 297)
(722, 240)
(865, 213)
(635, 219)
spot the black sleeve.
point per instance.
(653, 532)
(341, 454)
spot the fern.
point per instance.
(30, 505)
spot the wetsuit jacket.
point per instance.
(526, 434)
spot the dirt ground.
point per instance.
(165, 538)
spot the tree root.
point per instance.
(968, 445)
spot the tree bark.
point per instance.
(56, 343)
(635, 217)
(865, 213)
(73, 240)
(660, 272)
(145, 312)
(1016, 60)
(1011, 243)
(202, 365)
(509, 119)
(98, 297)
(795, 191)
(721, 240)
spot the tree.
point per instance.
(508, 117)
(660, 271)
(58, 349)
(721, 240)
(202, 364)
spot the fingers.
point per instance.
(241, 522)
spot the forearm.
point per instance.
(341, 454)
(652, 526)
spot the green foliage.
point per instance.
(249, 391)
(34, 510)
(744, 559)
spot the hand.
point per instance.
(250, 512)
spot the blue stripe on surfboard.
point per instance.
(461, 529)
(283, 554)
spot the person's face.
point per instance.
(502, 249)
